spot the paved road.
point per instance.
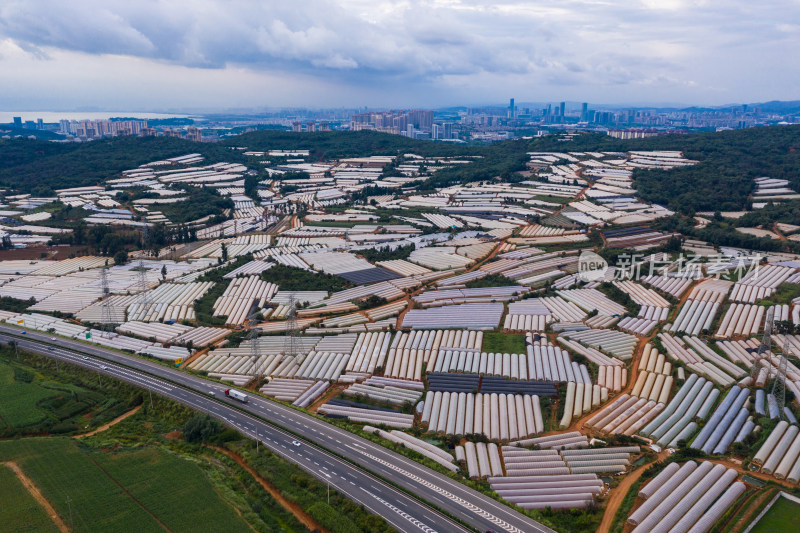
(404, 512)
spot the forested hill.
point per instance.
(723, 179)
(728, 163)
(38, 167)
(338, 144)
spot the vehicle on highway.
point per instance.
(211, 393)
(50, 348)
(295, 443)
(85, 358)
(52, 338)
(236, 395)
(104, 367)
(24, 332)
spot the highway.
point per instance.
(404, 512)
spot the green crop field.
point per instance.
(18, 510)
(784, 515)
(127, 491)
(503, 342)
(18, 400)
(35, 401)
(184, 500)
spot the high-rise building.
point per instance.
(17, 122)
(511, 109)
(562, 108)
(448, 130)
(194, 134)
(421, 119)
(39, 124)
(396, 122)
(64, 127)
(435, 131)
(584, 112)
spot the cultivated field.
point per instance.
(18, 400)
(784, 515)
(19, 511)
(124, 491)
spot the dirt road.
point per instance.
(619, 493)
(117, 420)
(37, 495)
(303, 517)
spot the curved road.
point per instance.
(401, 510)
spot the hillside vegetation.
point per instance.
(39, 167)
(723, 179)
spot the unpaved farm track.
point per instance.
(303, 517)
(117, 420)
(37, 495)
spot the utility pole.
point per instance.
(71, 523)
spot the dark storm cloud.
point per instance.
(593, 45)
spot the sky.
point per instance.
(240, 54)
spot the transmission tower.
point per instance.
(252, 336)
(106, 318)
(764, 353)
(779, 385)
(290, 343)
(142, 284)
(144, 287)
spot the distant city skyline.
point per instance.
(218, 55)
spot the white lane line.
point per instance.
(462, 502)
(422, 526)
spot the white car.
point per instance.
(85, 358)
(104, 367)
(295, 443)
(52, 338)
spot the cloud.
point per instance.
(426, 45)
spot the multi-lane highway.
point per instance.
(357, 467)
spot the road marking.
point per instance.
(140, 375)
(420, 525)
(462, 502)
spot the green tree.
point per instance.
(201, 428)
(121, 257)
